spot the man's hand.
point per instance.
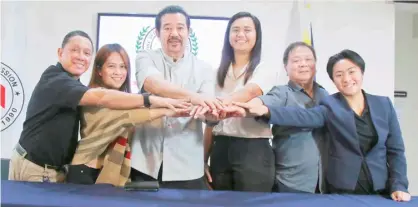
(225, 101)
(212, 103)
(204, 113)
(178, 113)
(173, 104)
(232, 111)
(253, 110)
(225, 113)
(400, 196)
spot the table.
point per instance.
(14, 193)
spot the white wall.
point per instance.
(365, 27)
(406, 74)
(38, 28)
(31, 32)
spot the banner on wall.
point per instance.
(300, 25)
(306, 22)
(12, 96)
(299, 28)
(137, 32)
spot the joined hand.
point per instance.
(173, 104)
(252, 110)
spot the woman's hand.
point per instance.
(173, 104)
(400, 196)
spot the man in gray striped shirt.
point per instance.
(170, 150)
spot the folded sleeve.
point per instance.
(69, 90)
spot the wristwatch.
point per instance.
(147, 102)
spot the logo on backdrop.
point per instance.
(147, 39)
(12, 96)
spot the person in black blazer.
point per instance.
(366, 151)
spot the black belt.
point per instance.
(22, 152)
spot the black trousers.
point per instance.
(242, 164)
(364, 185)
(82, 174)
(282, 188)
(362, 188)
(197, 184)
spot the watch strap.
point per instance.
(147, 102)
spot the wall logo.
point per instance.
(147, 39)
(12, 96)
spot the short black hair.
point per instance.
(345, 54)
(172, 9)
(294, 45)
(76, 33)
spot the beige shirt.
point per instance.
(245, 127)
(178, 142)
(100, 127)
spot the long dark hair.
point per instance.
(104, 52)
(228, 52)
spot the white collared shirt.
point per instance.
(245, 127)
(178, 142)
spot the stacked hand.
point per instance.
(178, 113)
(203, 106)
(224, 109)
(206, 103)
(252, 110)
(206, 108)
(232, 111)
(173, 104)
(236, 109)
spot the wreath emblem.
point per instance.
(147, 39)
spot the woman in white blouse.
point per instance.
(241, 157)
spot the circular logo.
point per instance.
(12, 96)
(147, 39)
